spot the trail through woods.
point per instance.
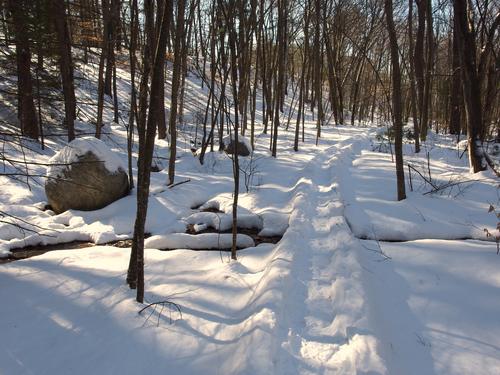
(355, 250)
(326, 320)
(321, 301)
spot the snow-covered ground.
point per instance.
(436, 306)
(320, 301)
(453, 205)
(332, 297)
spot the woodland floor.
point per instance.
(322, 300)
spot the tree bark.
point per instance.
(176, 78)
(132, 277)
(396, 100)
(100, 74)
(470, 82)
(424, 123)
(146, 156)
(134, 30)
(413, 87)
(456, 88)
(160, 105)
(230, 19)
(418, 58)
(26, 107)
(65, 64)
(280, 72)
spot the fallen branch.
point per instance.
(421, 175)
(179, 183)
(13, 161)
(378, 251)
(445, 186)
(22, 228)
(162, 304)
(463, 152)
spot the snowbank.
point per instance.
(205, 241)
(458, 212)
(224, 221)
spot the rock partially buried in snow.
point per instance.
(85, 175)
(244, 145)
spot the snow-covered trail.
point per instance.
(325, 325)
(353, 312)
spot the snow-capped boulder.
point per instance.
(85, 175)
(244, 145)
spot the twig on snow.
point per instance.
(162, 304)
(179, 183)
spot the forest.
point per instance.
(250, 187)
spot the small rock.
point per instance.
(244, 145)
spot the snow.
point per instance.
(437, 306)
(274, 223)
(224, 221)
(330, 297)
(79, 147)
(320, 301)
(205, 241)
(457, 212)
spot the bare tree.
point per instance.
(466, 43)
(65, 64)
(26, 107)
(146, 156)
(176, 80)
(413, 87)
(396, 99)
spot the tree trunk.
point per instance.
(424, 123)
(281, 71)
(146, 156)
(418, 57)
(470, 82)
(65, 64)
(100, 75)
(134, 30)
(230, 19)
(111, 16)
(396, 100)
(160, 105)
(456, 88)
(413, 88)
(301, 102)
(26, 107)
(132, 276)
(318, 65)
(176, 78)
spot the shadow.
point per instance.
(465, 338)
(394, 323)
(59, 318)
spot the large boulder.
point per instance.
(85, 175)
(244, 145)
